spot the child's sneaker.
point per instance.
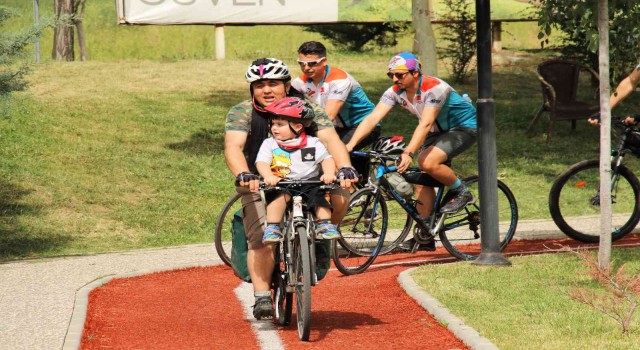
(327, 230)
(272, 234)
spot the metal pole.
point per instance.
(487, 165)
(36, 15)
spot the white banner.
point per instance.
(226, 11)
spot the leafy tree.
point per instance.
(578, 21)
(69, 14)
(355, 36)
(13, 66)
(460, 36)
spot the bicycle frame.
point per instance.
(381, 183)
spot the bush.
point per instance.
(354, 37)
(460, 36)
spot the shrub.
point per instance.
(460, 36)
(355, 36)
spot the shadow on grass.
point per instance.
(204, 142)
(17, 240)
(207, 142)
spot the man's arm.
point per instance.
(368, 124)
(234, 142)
(429, 115)
(626, 87)
(330, 139)
(333, 107)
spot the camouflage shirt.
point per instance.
(239, 117)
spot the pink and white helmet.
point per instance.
(267, 68)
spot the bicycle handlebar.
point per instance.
(285, 184)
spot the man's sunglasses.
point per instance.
(398, 76)
(311, 64)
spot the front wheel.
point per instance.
(574, 202)
(302, 269)
(462, 232)
(362, 232)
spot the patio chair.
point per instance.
(560, 81)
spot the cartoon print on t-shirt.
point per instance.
(281, 163)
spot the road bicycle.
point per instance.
(295, 271)
(574, 198)
(368, 220)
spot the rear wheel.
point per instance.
(574, 202)
(302, 268)
(362, 232)
(222, 231)
(462, 233)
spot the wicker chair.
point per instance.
(560, 81)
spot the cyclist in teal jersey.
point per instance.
(446, 127)
(335, 90)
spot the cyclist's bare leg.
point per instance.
(432, 162)
(425, 195)
(260, 263)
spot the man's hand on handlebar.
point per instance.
(347, 175)
(594, 119)
(404, 162)
(248, 179)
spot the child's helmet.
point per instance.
(293, 109)
(390, 145)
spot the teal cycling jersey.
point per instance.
(455, 111)
(337, 85)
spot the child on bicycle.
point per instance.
(292, 154)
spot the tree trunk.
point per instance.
(78, 11)
(604, 252)
(424, 42)
(63, 33)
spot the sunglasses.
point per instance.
(397, 75)
(311, 64)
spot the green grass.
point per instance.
(526, 305)
(125, 151)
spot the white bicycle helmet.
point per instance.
(267, 68)
(390, 145)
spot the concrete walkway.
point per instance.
(38, 297)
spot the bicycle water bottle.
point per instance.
(297, 207)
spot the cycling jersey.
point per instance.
(455, 111)
(337, 85)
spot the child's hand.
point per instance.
(271, 180)
(630, 120)
(328, 178)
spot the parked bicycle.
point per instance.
(574, 199)
(368, 220)
(295, 271)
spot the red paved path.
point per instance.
(196, 308)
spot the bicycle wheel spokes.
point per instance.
(224, 224)
(574, 202)
(362, 234)
(463, 233)
(302, 268)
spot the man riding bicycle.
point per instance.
(246, 127)
(446, 127)
(337, 92)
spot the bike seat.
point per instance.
(417, 177)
